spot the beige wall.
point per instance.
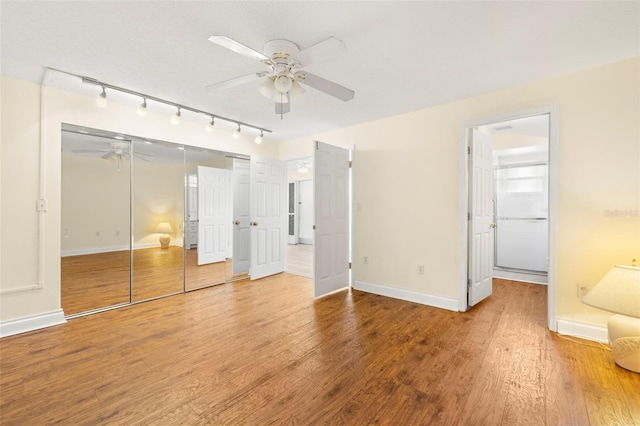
(406, 180)
(22, 267)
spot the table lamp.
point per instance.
(165, 229)
(619, 292)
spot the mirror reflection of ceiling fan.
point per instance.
(118, 151)
(285, 74)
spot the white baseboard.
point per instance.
(520, 276)
(98, 250)
(30, 323)
(408, 295)
(306, 241)
(582, 330)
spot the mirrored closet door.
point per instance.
(144, 219)
(95, 223)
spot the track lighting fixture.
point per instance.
(258, 138)
(142, 109)
(101, 101)
(209, 127)
(175, 119)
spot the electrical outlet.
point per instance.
(420, 269)
(581, 290)
(366, 260)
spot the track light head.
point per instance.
(258, 138)
(210, 125)
(101, 101)
(175, 119)
(142, 109)
(236, 134)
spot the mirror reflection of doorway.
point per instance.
(301, 233)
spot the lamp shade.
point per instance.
(164, 228)
(618, 292)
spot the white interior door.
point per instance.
(331, 211)
(268, 216)
(213, 214)
(481, 219)
(305, 211)
(241, 216)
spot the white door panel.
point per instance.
(213, 208)
(481, 223)
(331, 207)
(268, 216)
(242, 216)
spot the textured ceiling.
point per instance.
(402, 56)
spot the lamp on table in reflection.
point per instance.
(165, 229)
(619, 292)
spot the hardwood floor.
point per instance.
(266, 352)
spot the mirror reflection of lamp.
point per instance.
(165, 229)
(619, 292)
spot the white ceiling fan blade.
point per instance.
(88, 151)
(326, 86)
(237, 47)
(227, 84)
(326, 49)
(282, 108)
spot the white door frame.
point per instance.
(463, 202)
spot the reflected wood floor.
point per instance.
(94, 281)
(266, 352)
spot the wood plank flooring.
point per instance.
(300, 259)
(266, 352)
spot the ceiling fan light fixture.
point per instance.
(175, 119)
(142, 109)
(210, 125)
(236, 134)
(296, 90)
(267, 88)
(101, 101)
(283, 83)
(258, 138)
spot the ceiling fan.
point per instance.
(118, 151)
(285, 72)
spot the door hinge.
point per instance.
(314, 227)
(469, 150)
(350, 163)
(468, 215)
(317, 145)
(469, 282)
(349, 265)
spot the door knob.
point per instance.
(237, 222)
(254, 223)
(492, 225)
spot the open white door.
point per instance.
(331, 210)
(481, 219)
(213, 214)
(241, 216)
(268, 216)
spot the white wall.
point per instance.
(20, 173)
(406, 184)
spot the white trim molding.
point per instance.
(408, 295)
(30, 323)
(583, 330)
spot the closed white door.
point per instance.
(481, 218)
(241, 216)
(331, 217)
(268, 216)
(213, 214)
